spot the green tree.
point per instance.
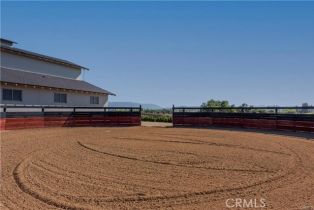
(224, 104)
(219, 104)
(305, 110)
(216, 103)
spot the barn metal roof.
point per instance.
(10, 42)
(44, 80)
(26, 53)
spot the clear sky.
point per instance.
(181, 53)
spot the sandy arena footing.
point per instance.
(154, 168)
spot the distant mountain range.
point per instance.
(134, 104)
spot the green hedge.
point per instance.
(156, 118)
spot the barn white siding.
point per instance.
(13, 61)
(37, 96)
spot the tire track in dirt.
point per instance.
(172, 164)
(18, 175)
(238, 146)
(23, 181)
(200, 197)
(194, 195)
(69, 174)
(48, 163)
(202, 142)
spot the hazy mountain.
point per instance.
(134, 104)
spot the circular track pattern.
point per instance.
(153, 168)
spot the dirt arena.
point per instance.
(154, 168)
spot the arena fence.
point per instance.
(282, 118)
(20, 117)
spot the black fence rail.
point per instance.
(292, 118)
(269, 109)
(29, 111)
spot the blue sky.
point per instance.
(181, 53)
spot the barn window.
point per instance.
(11, 95)
(60, 98)
(94, 100)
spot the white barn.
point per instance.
(29, 78)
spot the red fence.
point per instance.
(18, 117)
(281, 118)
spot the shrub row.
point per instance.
(156, 118)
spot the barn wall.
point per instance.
(36, 96)
(13, 61)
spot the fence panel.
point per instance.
(282, 118)
(20, 117)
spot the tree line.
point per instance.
(226, 104)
